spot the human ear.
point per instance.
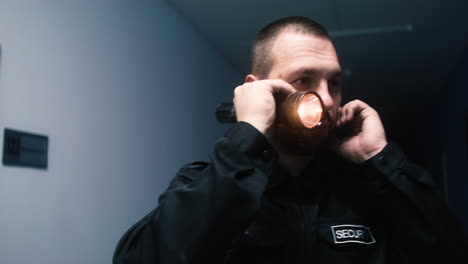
(251, 78)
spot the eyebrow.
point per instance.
(309, 71)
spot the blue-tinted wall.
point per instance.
(126, 92)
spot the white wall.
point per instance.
(126, 92)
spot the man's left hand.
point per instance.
(365, 132)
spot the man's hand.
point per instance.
(255, 102)
(367, 135)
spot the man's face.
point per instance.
(308, 63)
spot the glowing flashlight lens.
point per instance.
(310, 110)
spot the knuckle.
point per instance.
(237, 90)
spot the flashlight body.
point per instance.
(226, 113)
(287, 111)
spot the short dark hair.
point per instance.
(261, 59)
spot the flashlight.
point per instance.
(301, 110)
(226, 113)
(298, 110)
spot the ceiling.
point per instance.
(396, 72)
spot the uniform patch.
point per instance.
(352, 234)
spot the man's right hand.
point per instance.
(255, 101)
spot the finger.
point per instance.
(354, 108)
(279, 86)
(342, 116)
(338, 116)
(350, 113)
(345, 114)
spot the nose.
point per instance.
(324, 93)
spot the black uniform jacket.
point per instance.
(243, 208)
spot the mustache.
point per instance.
(329, 119)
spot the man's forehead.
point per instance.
(302, 51)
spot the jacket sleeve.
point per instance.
(414, 211)
(205, 206)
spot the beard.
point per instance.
(301, 141)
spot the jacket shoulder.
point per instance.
(187, 174)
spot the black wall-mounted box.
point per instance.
(25, 149)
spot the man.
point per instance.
(272, 195)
